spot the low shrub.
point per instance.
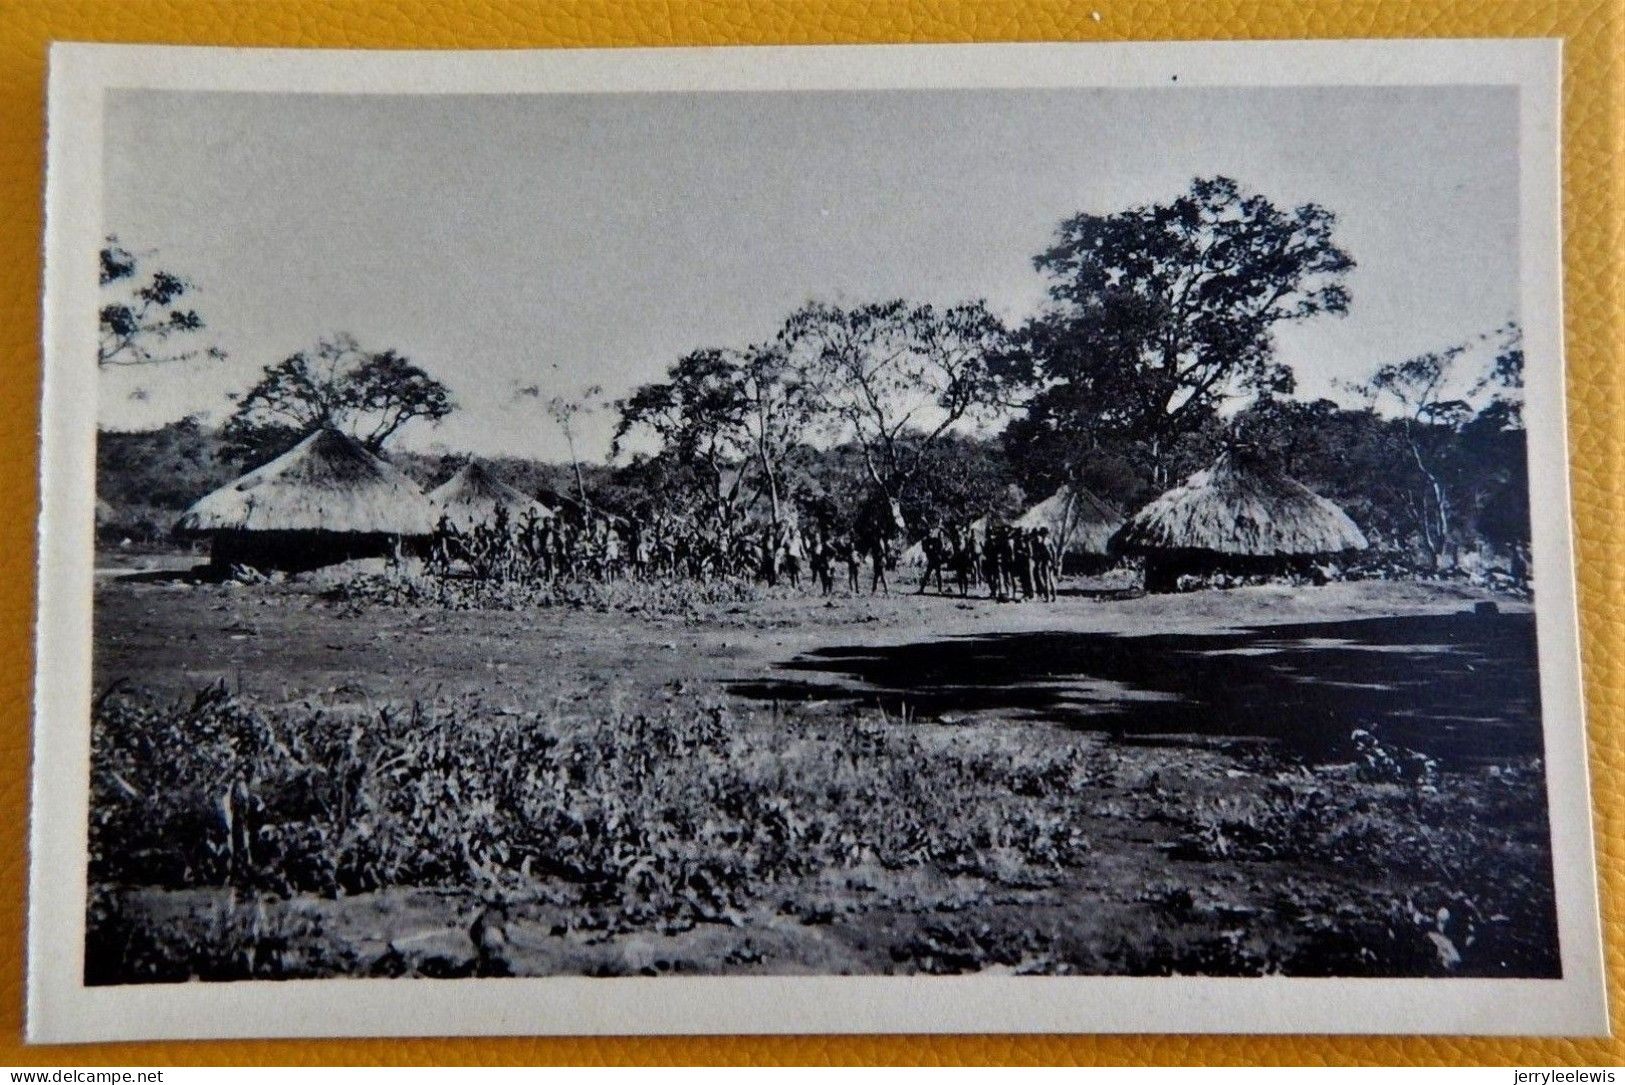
(688, 813)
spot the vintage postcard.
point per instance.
(1019, 538)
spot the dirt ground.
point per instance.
(1206, 711)
(279, 643)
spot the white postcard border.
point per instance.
(62, 1009)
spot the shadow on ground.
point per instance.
(1460, 687)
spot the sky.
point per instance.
(559, 241)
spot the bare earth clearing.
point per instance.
(1103, 785)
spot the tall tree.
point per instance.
(564, 410)
(1158, 313)
(733, 415)
(1461, 426)
(778, 407)
(895, 379)
(369, 395)
(698, 415)
(144, 312)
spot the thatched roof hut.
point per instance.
(1237, 515)
(473, 495)
(326, 499)
(1081, 524)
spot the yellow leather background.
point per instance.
(1593, 248)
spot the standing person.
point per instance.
(880, 559)
(1021, 561)
(935, 550)
(790, 560)
(992, 569)
(642, 549)
(613, 549)
(1007, 563)
(818, 560)
(442, 545)
(854, 560)
(768, 562)
(964, 544)
(786, 562)
(1046, 564)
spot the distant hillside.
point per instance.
(145, 478)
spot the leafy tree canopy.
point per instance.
(144, 313)
(369, 395)
(1158, 313)
(894, 378)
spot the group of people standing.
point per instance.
(1010, 562)
(536, 548)
(595, 545)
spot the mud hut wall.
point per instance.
(297, 551)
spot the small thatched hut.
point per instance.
(473, 495)
(325, 500)
(1238, 517)
(1081, 526)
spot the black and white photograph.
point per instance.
(1047, 514)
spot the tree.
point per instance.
(778, 407)
(734, 415)
(135, 328)
(1291, 434)
(1462, 433)
(1417, 385)
(369, 395)
(964, 478)
(1159, 313)
(894, 378)
(564, 410)
(697, 413)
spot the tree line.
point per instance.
(1154, 350)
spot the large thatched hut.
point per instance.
(1238, 517)
(1081, 525)
(325, 500)
(473, 495)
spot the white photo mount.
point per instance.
(62, 1009)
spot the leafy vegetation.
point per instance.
(368, 394)
(141, 313)
(695, 813)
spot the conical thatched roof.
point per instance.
(1079, 522)
(327, 482)
(1237, 508)
(473, 495)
